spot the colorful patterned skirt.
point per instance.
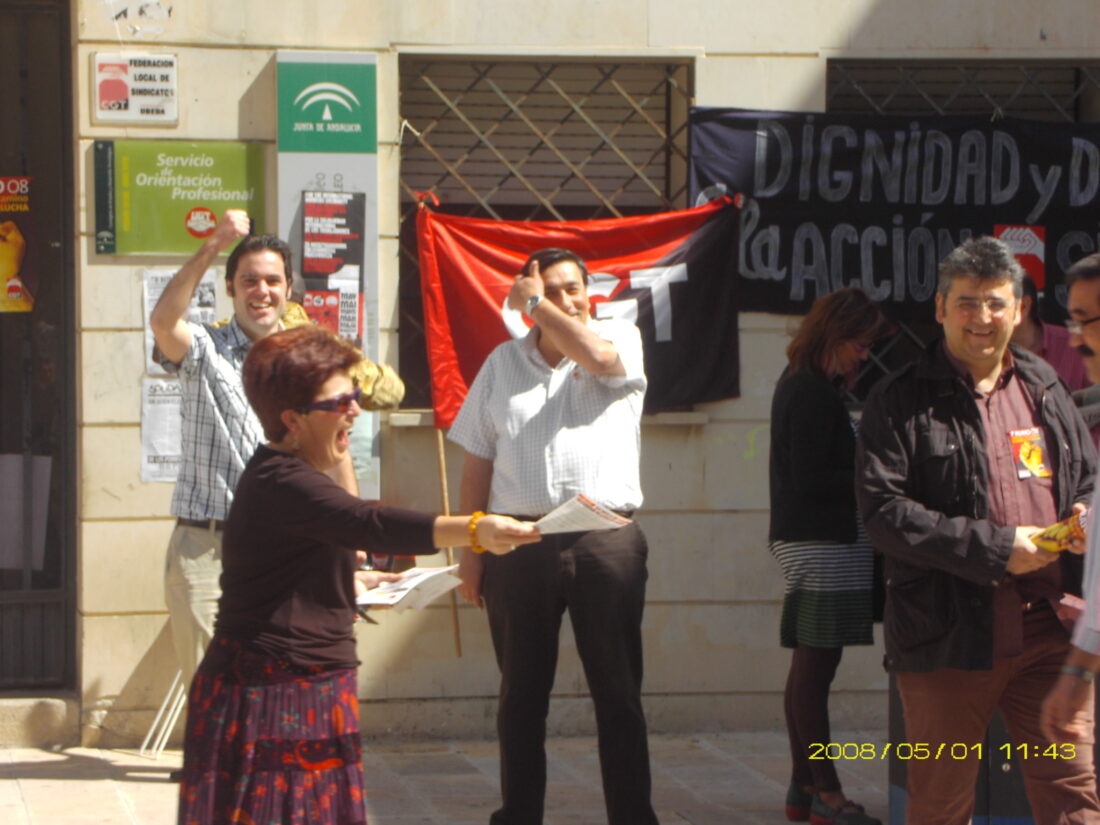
(269, 742)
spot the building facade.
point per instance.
(503, 109)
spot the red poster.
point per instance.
(332, 260)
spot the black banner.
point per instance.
(876, 202)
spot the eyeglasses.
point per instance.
(996, 306)
(340, 404)
(1075, 327)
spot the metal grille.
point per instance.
(1037, 90)
(532, 140)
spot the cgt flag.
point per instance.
(672, 274)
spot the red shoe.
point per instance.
(798, 803)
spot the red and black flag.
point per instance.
(671, 273)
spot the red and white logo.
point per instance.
(201, 221)
(1028, 244)
(114, 86)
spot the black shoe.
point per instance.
(847, 814)
(175, 776)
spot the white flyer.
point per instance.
(578, 514)
(417, 587)
(161, 450)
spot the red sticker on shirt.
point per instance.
(1029, 448)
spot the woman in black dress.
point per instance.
(816, 535)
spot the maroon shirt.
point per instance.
(288, 559)
(1017, 497)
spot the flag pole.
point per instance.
(441, 454)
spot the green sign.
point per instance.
(327, 107)
(164, 197)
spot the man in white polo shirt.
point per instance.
(551, 415)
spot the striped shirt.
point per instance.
(219, 429)
(553, 432)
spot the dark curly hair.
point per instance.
(985, 258)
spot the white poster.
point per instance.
(134, 88)
(202, 309)
(17, 474)
(161, 453)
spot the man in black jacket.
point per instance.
(963, 455)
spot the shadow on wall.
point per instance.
(39, 720)
(122, 719)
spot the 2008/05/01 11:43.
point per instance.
(940, 750)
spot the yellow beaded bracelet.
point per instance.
(471, 528)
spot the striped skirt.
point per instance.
(829, 595)
(269, 742)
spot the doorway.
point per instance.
(37, 349)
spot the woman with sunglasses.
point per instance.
(272, 728)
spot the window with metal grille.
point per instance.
(1037, 90)
(533, 140)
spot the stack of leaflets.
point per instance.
(417, 588)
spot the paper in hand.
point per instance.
(578, 514)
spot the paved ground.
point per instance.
(707, 779)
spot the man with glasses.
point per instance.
(963, 455)
(1050, 341)
(219, 429)
(1066, 712)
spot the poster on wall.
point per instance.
(161, 450)
(134, 88)
(160, 392)
(328, 143)
(332, 253)
(18, 278)
(157, 197)
(20, 474)
(201, 311)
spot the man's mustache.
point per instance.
(1085, 350)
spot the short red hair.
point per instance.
(286, 370)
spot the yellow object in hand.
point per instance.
(1057, 537)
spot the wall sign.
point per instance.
(328, 148)
(134, 88)
(163, 197)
